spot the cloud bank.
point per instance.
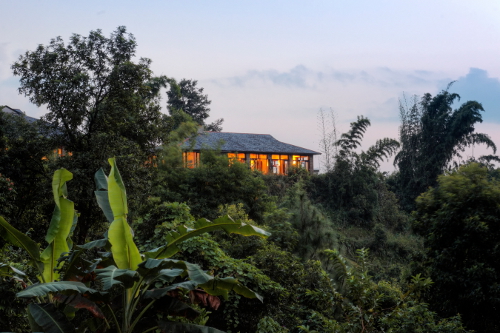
(478, 86)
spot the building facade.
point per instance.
(261, 151)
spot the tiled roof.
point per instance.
(8, 109)
(246, 143)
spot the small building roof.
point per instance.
(246, 143)
(8, 109)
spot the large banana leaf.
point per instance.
(161, 292)
(49, 319)
(93, 244)
(60, 227)
(125, 252)
(101, 194)
(112, 275)
(221, 287)
(202, 226)
(77, 268)
(152, 267)
(42, 289)
(69, 240)
(177, 327)
(116, 191)
(17, 238)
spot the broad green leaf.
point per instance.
(151, 274)
(49, 318)
(159, 293)
(103, 202)
(202, 226)
(8, 270)
(76, 268)
(33, 325)
(72, 230)
(177, 327)
(125, 253)
(42, 289)
(195, 273)
(101, 180)
(221, 287)
(60, 226)
(101, 194)
(97, 243)
(112, 275)
(59, 180)
(116, 191)
(62, 218)
(17, 238)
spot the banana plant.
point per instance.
(58, 237)
(63, 222)
(148, 283)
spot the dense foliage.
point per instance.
(460, 221)
(351, 187)
(186, 96)
(25, 155)
(432, 134)
(297, 253)
(100, 104)
(216, 181)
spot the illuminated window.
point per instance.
(151, 161)
(279, 164)
(238, 157)
(300, 161)
(259, 162)
(59, 152)
(191, 159)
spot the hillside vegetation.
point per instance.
(135, 242)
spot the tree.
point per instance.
(25, 156)
(351, 187)
(432, 134)
(62, 272)
(459, 220)
(216, 181)
(186, 96)
(100, 103)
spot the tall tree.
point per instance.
(25, 154)
(186, 96)
(352, 185)
(100, 104)
(432, 134)
(460, 222)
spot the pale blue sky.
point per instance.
(268, 66)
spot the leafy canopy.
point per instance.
(460, 222)
(432, 134)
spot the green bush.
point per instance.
(214, 182)
(460, 223)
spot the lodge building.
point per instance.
(261, 151)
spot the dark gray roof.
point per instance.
(246, 143)
(8, 109)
